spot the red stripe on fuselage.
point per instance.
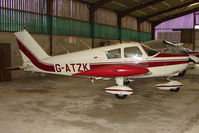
(34, 59)
(142, 64)
(194, 53)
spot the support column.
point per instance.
(119, 24)
(92, 19)
(153, 31)
(50, 23)
(194, 31)
(139, 29)
(93, 7)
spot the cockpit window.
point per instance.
(149, 51)
(113, 54)
(132, 52)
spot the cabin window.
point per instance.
(132, 52)
(113, 54)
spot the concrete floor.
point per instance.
(59, 104)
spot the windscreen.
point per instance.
(149, 51)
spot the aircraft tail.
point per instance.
(29, 48)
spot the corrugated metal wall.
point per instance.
(107, 17)
(129, 22)
(36, 6)
(145, 26)
(62, 8)
(69, 18)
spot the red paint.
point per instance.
(118, 90)
(169, 86)
(67, 68)
(85, 66)
(73, 65)
(194, 53)
(58, 68)
(12, 68)
(171, 55)
(39, 64)
(142, 64)
(114, 71)
(79, 67)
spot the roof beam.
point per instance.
(98, 4)
(94, 7)
(170, 9)
(126, 12)
(119, 4)
(166, 4)
(176, 16)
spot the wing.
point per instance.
(114, 71)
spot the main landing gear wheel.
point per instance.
(182, 73)
(120, 96)
(126, 82)
(175, 90)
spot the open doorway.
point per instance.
(5, 61)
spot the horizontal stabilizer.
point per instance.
(17, 68)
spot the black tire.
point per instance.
(120, 96)
(126, 82)
(175, 90)
(182, 73)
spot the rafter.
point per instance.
(126, 12)
(176, 16)
(119, 4)
(94, 7)
(98, 4)
(170, 9)
(166, 4)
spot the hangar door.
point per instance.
(5, 61)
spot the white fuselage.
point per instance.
(72, 63)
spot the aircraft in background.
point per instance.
(164, 46)
(123, 62)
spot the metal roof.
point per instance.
(154, 11)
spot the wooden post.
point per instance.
(50, 15)
(194, 31)
(153, 31)
(139, 29)
(1, 65)
(92, 27)
(119, 24)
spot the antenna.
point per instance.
(85, 44)
(63, 48)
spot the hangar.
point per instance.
(38, 102)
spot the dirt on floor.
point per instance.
(59, 104)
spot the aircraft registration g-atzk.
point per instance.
(123, 62)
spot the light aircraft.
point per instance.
(123, 62)
(164, 46)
